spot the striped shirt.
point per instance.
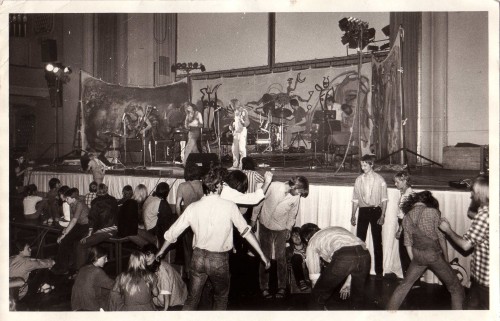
(255, 180)
(370, 190)
(324, 244)
(478, 235)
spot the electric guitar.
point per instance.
(141, 124)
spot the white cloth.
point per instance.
(29, 204)
(233, 195)
(150, 211)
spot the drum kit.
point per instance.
(271, 129)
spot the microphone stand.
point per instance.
(218, 131)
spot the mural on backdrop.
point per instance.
(284, 100)
(110, 111)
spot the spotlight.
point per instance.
(373, 48)
(385, 46)
(387, 30)
(55, 70)
(49, 67)
(202, 68)
(343, 25)
(67, 70)
(195, 65)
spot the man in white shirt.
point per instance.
(211, 220)
(347, 257)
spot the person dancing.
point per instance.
(239, 129)
(193, 122)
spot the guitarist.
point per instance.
(143, 128)
(239, 130)
(193, 122)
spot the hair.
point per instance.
(421, 197)
(95, 253)
(247, 163)
(102, 189)
(162, 190)
(148, 249)
(480, 187)
(53, 182)
(307, 231)
(93, 187)
(369, 159)
(31, 189)
(294, 102)
(19, 246)
(403, 176)
(129, 281)
(140, 193)
(192, 172)
(127, 191)
(236, 103)
(237, 180)
(72, 192)
(213, 179)
(301, 184)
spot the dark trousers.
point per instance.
(353, 260)
(298, 268)
(213, 266)
(403, 253)
(478, 297)
(370, 216)
(67, 246)
(268, 240)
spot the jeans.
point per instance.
(268, 240)
(213, 266)
(351, 260)
(370, 216)
(434, 260)
(478, 297)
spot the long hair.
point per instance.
(424, 197)
(212, 180)
(481, 188)
(301, 184)
(140, 193)
(129, 281)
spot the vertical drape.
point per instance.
(106, 47)
(411, 23)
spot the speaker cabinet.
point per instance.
(203, 160)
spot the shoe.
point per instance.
(280, 294)
(267, 295)
(303, 286)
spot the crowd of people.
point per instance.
(226, 211)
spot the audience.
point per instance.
(158, 216)
(51, 207)
(92, 285)
(31, 203)
(296, 258)
(92, 194)
(127, 193)
(403, 184)
(64, 208)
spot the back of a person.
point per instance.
(170, 278)
(140, 300)
(128, 218)
(190, 192)
(85, 295)
(105, 207)
(426, 219)
(29, 204)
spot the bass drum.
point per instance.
(275, 136)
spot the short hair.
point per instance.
(301, 184)
(140, 193)
(236, 103)
(212, 180)
(247, 163)
(102, 189)
(53, 182)
(403, 176)
(295, 230)
(294, 102)
(127, 189)
(307, 231)
(31, 189)
(237, 180)
(480, 186)
(19, 246)
(72, 192)
(369, 159)
(62, 190)
(162, 190)
(93, 187)
(95, 253)
(192, 172)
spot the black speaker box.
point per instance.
(49, 50)
(203, 160)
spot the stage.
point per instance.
(328, 203)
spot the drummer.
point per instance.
(298, 118)
(193, 122)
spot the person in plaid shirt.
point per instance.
(89, 197)
(476, 237)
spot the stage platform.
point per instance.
(328, 203)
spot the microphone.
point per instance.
(123, 117)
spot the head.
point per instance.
(190, 108)
(97, 256)
(54, 183)
(93, 187)
(299, 185)
(71, 195)
(295, 236)
(20, 159)
(31, 189)
(127, 191)
(294, 103)
(212, 181)
(307, 231)
(192, 172)
(402, 180)
(480, 190)
(424, 197)
(136, 262)
(61, 191)
(237, 105)
(367, 161)
(102, 189)
(23, 249)
(237, 180)
(150, 251)
(140, 193)
(162, 190)
(247, 163)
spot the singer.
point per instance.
(193, 122)
(239, 130)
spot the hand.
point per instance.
(381, 220)
(84, 240)
(64, 231)
(353, 220)
(253, 225)
(158, 255)
(59, 239)
(267, 262)
(268, 176)
(288, 232)
(345, 292)
(445, 225)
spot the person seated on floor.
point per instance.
(172, 289)
(135, 288)
(127, 193)
(102, 223)
(64, 208)
(92, 285)
(347, 261)
(128, 218)
(20, 267)
(157, 214)
(296, 258)
(92, 194)
(71, 235)
(32, 203)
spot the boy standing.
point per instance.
(370, 195)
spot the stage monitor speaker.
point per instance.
(203, 160)
(134, 145)
(49, 50)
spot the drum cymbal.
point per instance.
(282, 113)
(111, 134)
(261, 112)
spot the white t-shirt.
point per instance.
(29, 203)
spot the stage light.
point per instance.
(49, 67)
(385, 46)
(387, 30)
(372, 48)
(202, 68)
(195, 65)
(55, 70)
(343, 25)
(67, 70)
